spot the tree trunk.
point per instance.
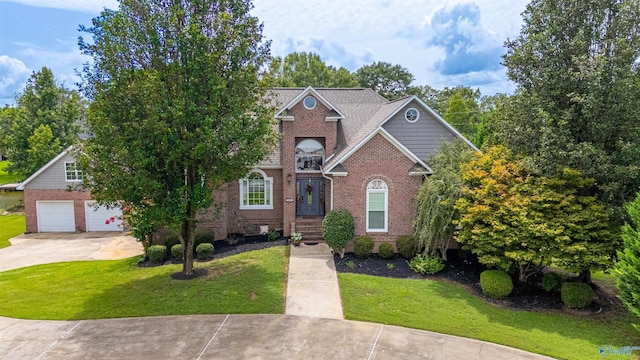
(585, 276)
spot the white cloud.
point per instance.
(13, 75)
(90, 6)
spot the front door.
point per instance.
(310, 196)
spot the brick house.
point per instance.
(340, 148)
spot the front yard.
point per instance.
(11, 225)
(248, 283)
(449, 308)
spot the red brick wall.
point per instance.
(378, 159)
(307, 124)
(33, 195)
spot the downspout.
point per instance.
(331, 180)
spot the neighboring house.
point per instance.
(340, 148)
(51, 206)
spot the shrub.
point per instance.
(496, 284)
(407, 245)
(552, 281)
(176, 252)
(203, 236)
(363, 246)
(273, 235)
(426, 265)
(204, 251)
(576, 295)
(385, 250)
(157, 253)
(170, 239)
(338, 229)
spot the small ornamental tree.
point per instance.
(338, 229)
(435, 202)
(511, 217)
(627, 269)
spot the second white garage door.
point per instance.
(100, 219)
(55, 216)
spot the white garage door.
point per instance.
(55, 216)
(100, 219)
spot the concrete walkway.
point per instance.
(312, 285)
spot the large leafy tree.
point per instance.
(627, 270)
(390, 81)
(578, 102)
(44, 109)
(178, 108)
(307, 69)
(514, 218)
(435, 202)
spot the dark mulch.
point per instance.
(197, 272)
(466, 272)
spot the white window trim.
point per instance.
(384, 191)
(257, 207)
(407, 118)
(78, 173)
(304, 102)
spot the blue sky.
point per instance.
(442, 42)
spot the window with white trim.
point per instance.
(256, 191)
(309, 156)
(377, 206)
(72, 173)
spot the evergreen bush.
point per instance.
(338, 229)
(157, 253)
(576, 295)
(385, 250)
(204, 251)
(496, 284)
(407, 246)
(176, 252)
(363, 247)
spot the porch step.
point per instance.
(311, 229)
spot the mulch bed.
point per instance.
(467, 273)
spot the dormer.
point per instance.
(310, 99)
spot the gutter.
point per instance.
(331, 180)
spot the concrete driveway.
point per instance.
(45, 248)
(228, 337)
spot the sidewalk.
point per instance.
(312, 286)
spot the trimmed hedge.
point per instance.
(157, 253)
(407, 246)
(385, 250)
(204, 251)
(576, 295)
(176, 252)
(363, 247)
(338, 229)
(496, 284)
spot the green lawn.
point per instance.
(248, 283)
(448, 308)
(4, 177)
(11, 226)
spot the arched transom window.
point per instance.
(256, 191)
(377, 206)
(309, 155)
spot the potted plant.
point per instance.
(296, 238)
